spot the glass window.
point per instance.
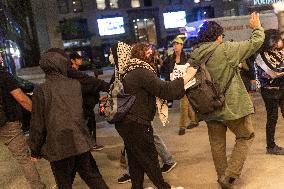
(135, 3)
(62, 6)
(77, 6)
(230, 12)
(101, 4)
(113, 4)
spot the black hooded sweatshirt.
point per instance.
(57, 129)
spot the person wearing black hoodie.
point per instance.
(57, 130)
(91, 87)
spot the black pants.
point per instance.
(273, 99)
(141, 153)
(91, 123)
(92, 127)
(65, 170)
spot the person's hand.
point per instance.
(103, 98)
(33, 159)
(254, 20)
(190, 73)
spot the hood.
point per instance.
(53, 63)
(123, 54)
(201, 51)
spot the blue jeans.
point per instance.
(162, 150)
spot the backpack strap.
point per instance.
(207, 74)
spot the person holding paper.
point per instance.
(176, 67)
(270, 76)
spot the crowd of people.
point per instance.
(63, 124)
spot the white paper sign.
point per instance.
(179, 71)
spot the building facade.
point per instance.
(18, 39)
(92, 26)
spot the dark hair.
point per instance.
(138, 51)
(272, 36)
(209, 32)
(114, 53)
(74, 56)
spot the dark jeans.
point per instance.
(142, 154)
(65, 170)
(92, 126)
(273, 99)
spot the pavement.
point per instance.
(195, 169)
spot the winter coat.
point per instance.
(222, 65)
(91, 87)
(57, 128)
(146, 86)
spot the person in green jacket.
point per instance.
(235, 115)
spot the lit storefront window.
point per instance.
(135, 3)
(101, 4)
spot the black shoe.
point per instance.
(168, 167)
(192, 125)
(276, 150)
(124, 179)
(170, 104)
(226, 182)
(181, 131)
(97, 147)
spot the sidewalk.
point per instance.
(195, 169)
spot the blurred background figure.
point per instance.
(270, 75)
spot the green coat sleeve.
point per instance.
(240, 51)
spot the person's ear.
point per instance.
(219, 39)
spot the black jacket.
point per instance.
(91, 87)
(169, 63)
(57, 129)
(146, 86)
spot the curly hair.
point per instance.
(209, 32)
(272, 36)
(139, 51)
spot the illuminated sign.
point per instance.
(265, 2)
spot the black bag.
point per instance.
(118, 102)
(205, 96)
(3, 118)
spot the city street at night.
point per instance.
(194, 170)
(70, 68)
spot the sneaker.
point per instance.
(124, 179)
(192, 125)
(276, 150)
(226, 182)
(168, 167)
(26, 133)
(170, 104)
(181, 131)
(97, 147)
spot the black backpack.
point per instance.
(3, 118)
(205, 96)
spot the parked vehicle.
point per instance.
(236, 28)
